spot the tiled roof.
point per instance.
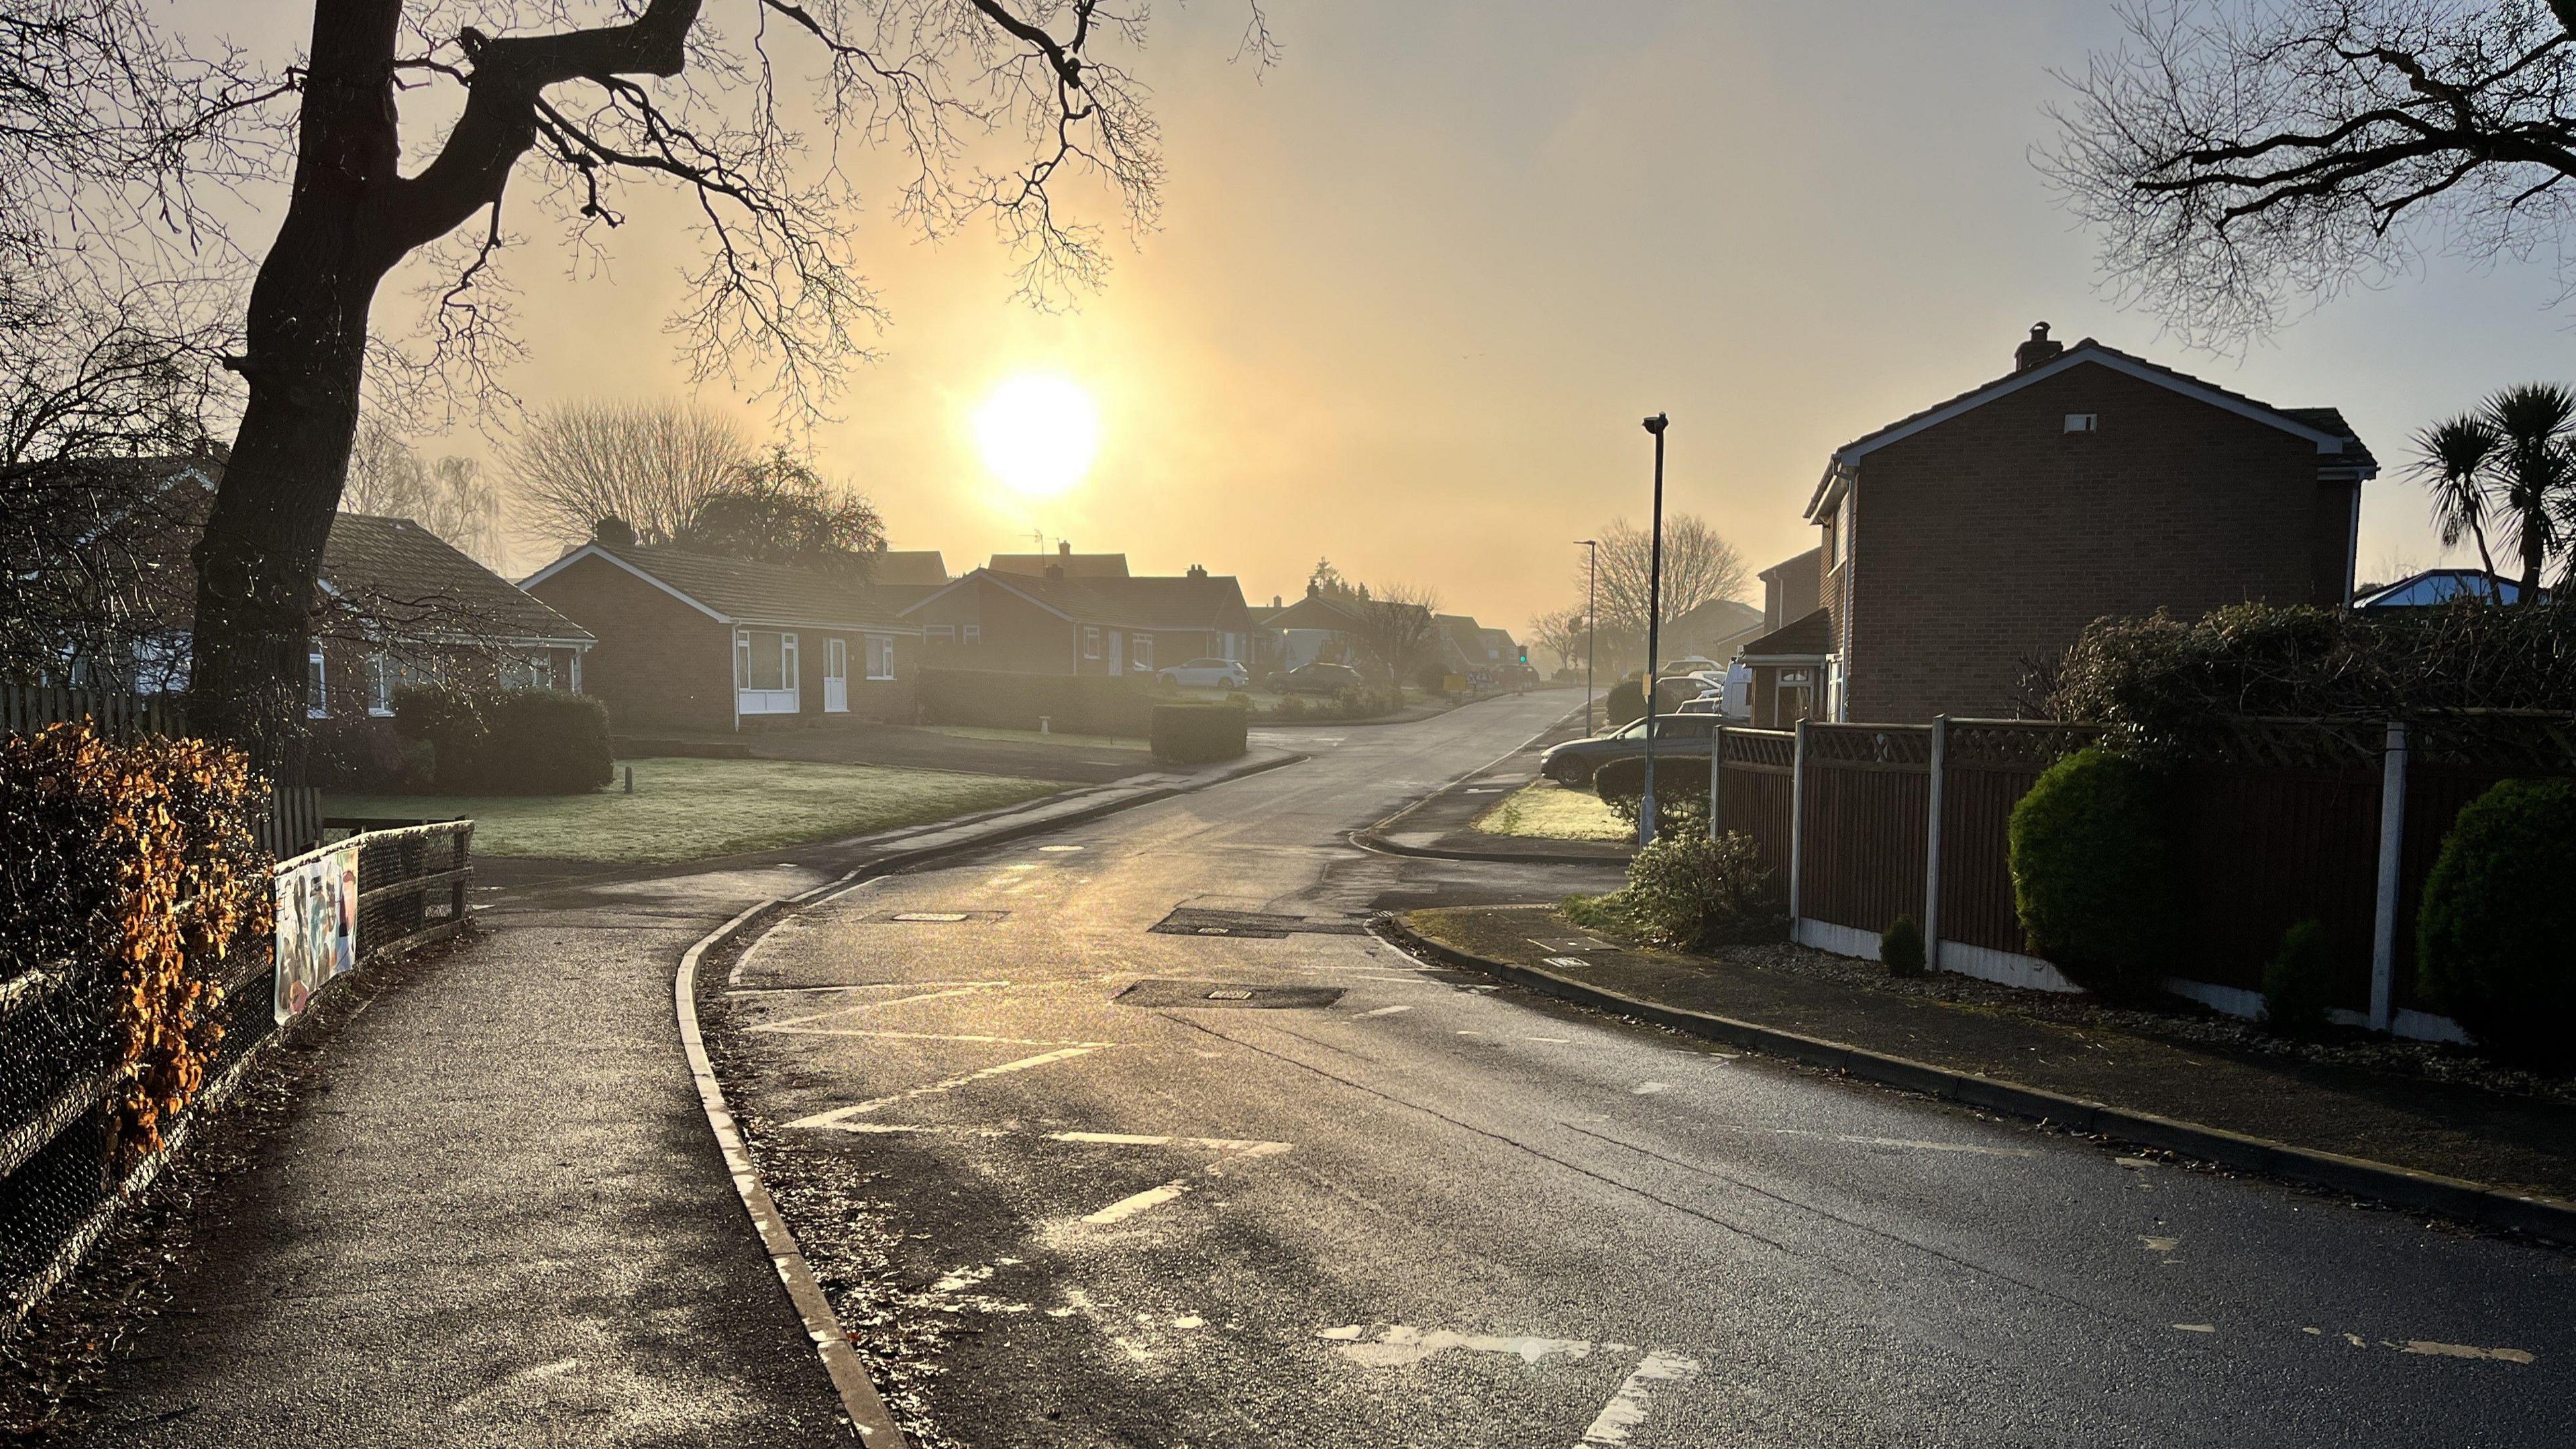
(2440, 586)
(1075, 565)
(1166, 601)
(909, 566)
(759, 592)
(393, 567)
(1805, 637)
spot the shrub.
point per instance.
(133, 868)
(1078, 704)
(2496, 935)
(1621, 783)
(2298, 983)
(1900, 947)
(1432, 679)
(2092, 876)
(1625, 704)
(450, 721)
(355, 754)
(1291, 707)
(508, 741)
(1686, 892)
(1198, 734)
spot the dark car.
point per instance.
(1573, 762)
(1317, 679)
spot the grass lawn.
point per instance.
(1032, 737)
(686, 809)
(1549, 811)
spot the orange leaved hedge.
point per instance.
(131, 868)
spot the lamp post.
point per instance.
(1654, 619)
(1591, 602)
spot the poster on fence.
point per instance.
(317, 925)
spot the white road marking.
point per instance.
(2160, 1245)
(868, 1006)
(1059, 849)
(1128, 1207)
(1567, 963)
(2197, 1327)
(1559, 1040)
(856, 986)
(946, 1084)
(1649, 1089)
(930, 1036)
(1627, 1408)
(2461, 1350)
(1154, 1197)
(1401, 1345)
(1386, 1011)
(1912, 1143)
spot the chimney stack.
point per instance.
(1064, 548)
(1055, 572)
(2038, 351)
(615, 532)
(1198, 571)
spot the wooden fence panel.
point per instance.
(1863, 842)
(1753, 794)
(2261, 847)
(1991, 765)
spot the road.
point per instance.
(1092, 1196)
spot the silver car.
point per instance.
(1209, 674)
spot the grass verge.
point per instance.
(1546, 810)
(686, 809)
(1032, 737)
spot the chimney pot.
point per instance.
(1064, 548)
(2039, 351)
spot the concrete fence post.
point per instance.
(1716, 763)
(1932, 844)
(2392, 845)
(1797, 819)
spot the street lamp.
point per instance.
(1654, 619)
(1591, 602)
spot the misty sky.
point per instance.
(1415, 287)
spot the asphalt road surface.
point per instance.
(1121, 1176)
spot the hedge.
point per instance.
(1625, 704)
(1681, 788)
(1079, 704)
(1199, 734)
(132, 868)
(2496, 935)
(2092, 872)
(508, 741)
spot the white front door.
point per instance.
(1117, 641)
(836, 676)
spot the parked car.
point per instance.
(1318, 679)
(1209, 674)
(1573, 762)
(1705, 704)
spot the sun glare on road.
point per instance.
(1037, 434)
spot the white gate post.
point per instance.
(1716, 762)
(1932, 847)
(2392, 842)
(1797, 819)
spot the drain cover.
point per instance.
(1236, 994)
(1255, 925)
(935, 918)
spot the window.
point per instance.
(1090, 641)
(880, 656)
(764, 659)
(939, 634)
(317, 692)
(1143, 653)
(528, 671)
(974, 634)
(2082, 422)
(380, 685)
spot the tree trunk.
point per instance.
(2532, 558)
(303, 362)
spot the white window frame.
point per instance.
(836, 672)
(939, 633)
(788, 697)
(380, 685)
(880, 656)
(1140, 653)
(317, 685)
(1090, 641)
(971, 633)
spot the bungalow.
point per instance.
(1339, 628)
(696, 641)
(1064, 561)
(1052, 624)
(2434, 587)
(1988, 530)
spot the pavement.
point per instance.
(905, 747)
(1442, 826)
(495, 1213)
(1131, 1135)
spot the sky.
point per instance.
(1415, 286)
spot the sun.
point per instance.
(1037, 434)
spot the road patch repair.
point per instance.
(1162, 995)
(1254, 925)
(1401, 1345)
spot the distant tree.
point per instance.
(2511, 463)
(2237, 156)
(1699, 565)
(1397, 628)
(449, 496)
(1328, 581)
(1560, 633)
(779, 510)
(649, 463)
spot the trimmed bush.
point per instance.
(508, 741)
(1681, 789)
(1686, 892)
(2298, 983)
(2496, 936)
(1199, 734)
(1074, 704)
(354, 754)
(2092, 872)
(1900, 947)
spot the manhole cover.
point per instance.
(1255, 925)
(1165, 995)
(934, 918)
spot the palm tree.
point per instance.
(2511, 463)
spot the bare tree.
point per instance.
(1396, 626)
(2238, 159)
(656, 91)
(649, 463)
(777, 509)
(449, 497)
(1561, 632)
(1699, 565)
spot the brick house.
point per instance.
(1988, 530)
(1048, 623)
(694, 641)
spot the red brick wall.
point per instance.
(1998, 535)
(659, 663)
(882, 701)
(1016, 636)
